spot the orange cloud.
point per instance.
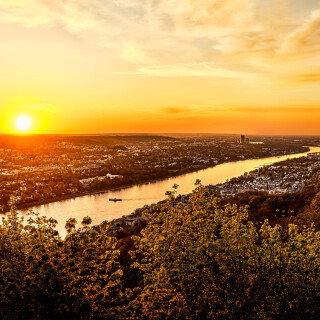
(304, 37)
(174, 110)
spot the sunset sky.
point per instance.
(101, 66)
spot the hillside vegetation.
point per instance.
(201, 260)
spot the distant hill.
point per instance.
(20, 142)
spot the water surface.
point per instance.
(99, 208)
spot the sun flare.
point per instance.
(23, 123)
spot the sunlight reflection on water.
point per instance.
(99, 208)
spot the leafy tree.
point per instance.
(311, 215)
(195, 259)
(200, 261)
(45, 277)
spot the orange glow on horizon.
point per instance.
(18, 118)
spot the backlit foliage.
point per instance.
(43, 277)
(193, 260)
(203, 262)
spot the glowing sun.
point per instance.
(23, 123)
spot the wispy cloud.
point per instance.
(201, 69)
(168, 38)
(144, 22)
(175, 110)
(303, 78)
(43, 106)
(305, 37)
(26, 12)
(135, 53)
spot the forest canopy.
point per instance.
(195, 260)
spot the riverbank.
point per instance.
(99, 208)
(140, 183)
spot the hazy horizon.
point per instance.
(160, 134)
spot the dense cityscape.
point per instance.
(282, 177)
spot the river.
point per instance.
(99, 208)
